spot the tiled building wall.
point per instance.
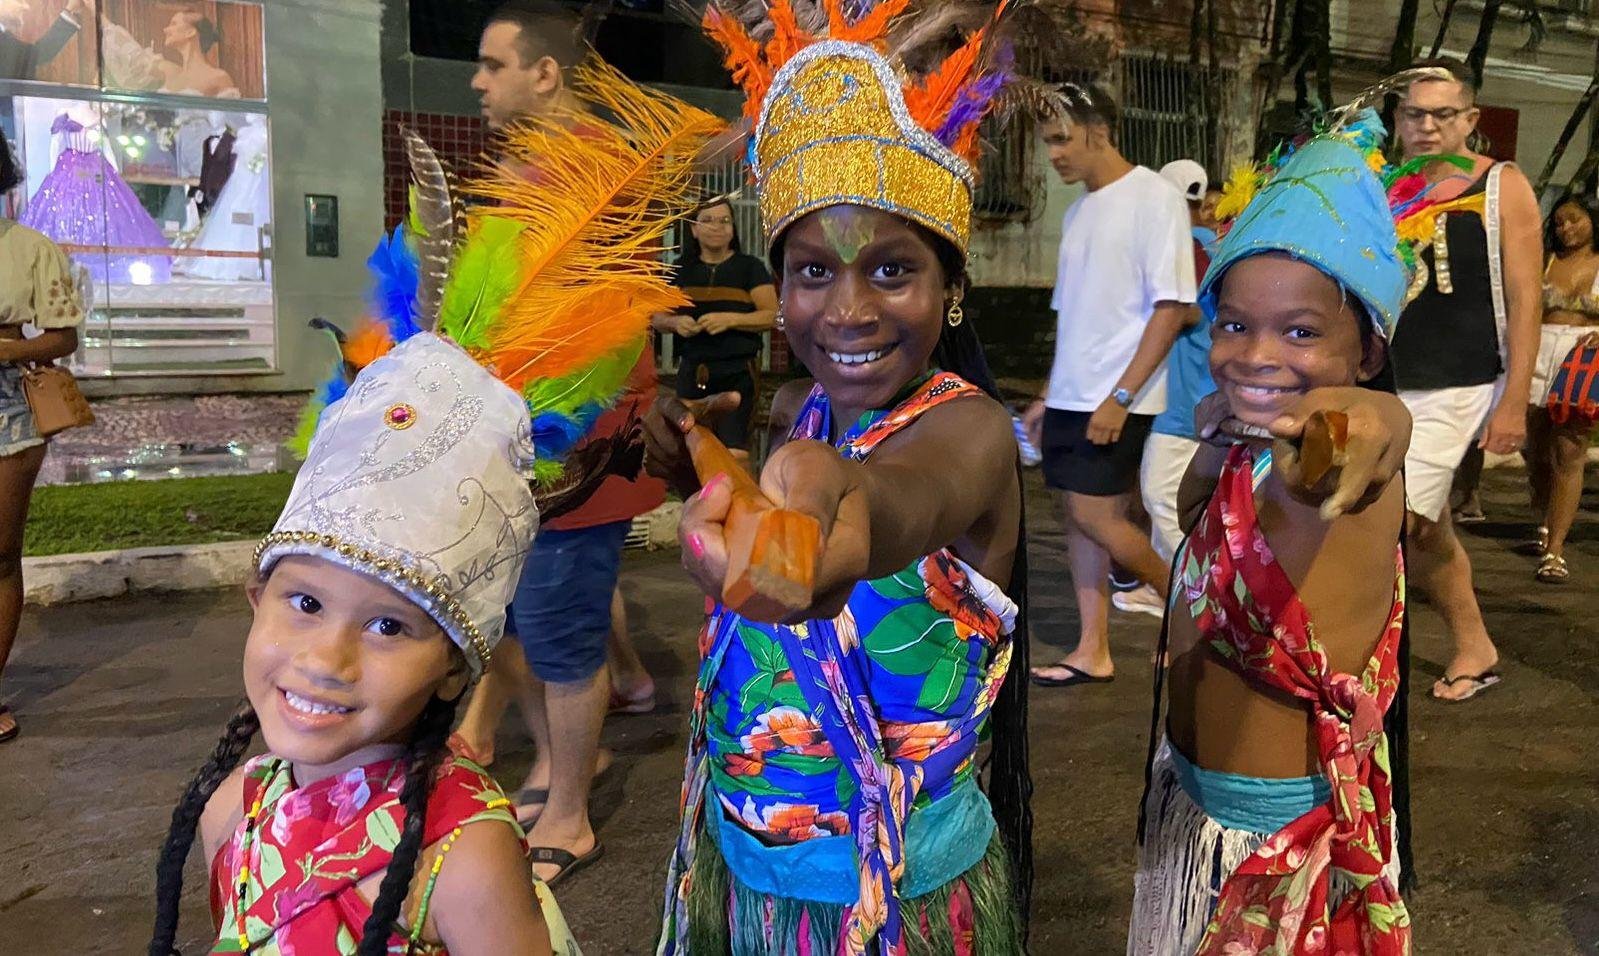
(457, 139)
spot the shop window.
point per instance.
(162, 200)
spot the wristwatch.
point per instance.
(1122, 397)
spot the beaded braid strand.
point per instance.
(251, 819)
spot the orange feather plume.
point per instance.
(369, 342)
(587, 203)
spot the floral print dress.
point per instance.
(312, 845)
(843, 727)
(1282, 898)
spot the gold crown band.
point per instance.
(834, 130)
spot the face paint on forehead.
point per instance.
(847, 231)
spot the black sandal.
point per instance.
(1073, 677)
(568, 861)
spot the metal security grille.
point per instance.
(1169, 111)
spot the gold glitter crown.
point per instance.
(834, 129)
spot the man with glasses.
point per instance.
(1464, 350)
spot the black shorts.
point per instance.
(723, 375)
(1073, 463)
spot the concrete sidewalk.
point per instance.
(120, 701)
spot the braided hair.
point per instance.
(1010, 781)
(429, 746)
(423, 757)
(241, 729)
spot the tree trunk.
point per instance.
(1479, 47)
(1194, 25)
(1443, 27)
(1404, 48)
(1400, 54)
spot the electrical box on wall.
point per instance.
(322, 226)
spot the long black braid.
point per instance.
(429, 746)
(230, 749)
(1010, 780)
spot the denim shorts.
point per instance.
(561, 612)
(17, 433)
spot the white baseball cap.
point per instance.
(1188, 176)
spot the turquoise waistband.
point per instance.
(1256, 804)
(942, 841)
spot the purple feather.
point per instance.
(972, 103)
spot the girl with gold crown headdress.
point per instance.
(1275, 815)
(831, 801)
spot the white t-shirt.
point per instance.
(1124, 247)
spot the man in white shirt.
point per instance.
(1124, 290)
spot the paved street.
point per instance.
(119, 701)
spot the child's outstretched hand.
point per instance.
(1341, 473)
(807, 477)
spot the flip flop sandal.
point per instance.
(568, 861)
(524, 801)
(1552, 570)
(1479, 683)
(1073, 677)
(15, 727)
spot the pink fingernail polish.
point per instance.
(715, 483)
(696, 546)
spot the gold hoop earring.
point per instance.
(956, 315)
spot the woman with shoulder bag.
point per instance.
(36, 288)
(1557, 435)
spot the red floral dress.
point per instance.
(312, 845)
(1280, 899)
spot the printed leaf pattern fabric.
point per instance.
(838, 728)
(314, 844)
(1279, 899)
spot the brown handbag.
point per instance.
(54, 399)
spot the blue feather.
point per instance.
(395, 278)
(555, 434)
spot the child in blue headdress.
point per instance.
(1268, 822)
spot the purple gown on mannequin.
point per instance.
(84, 202)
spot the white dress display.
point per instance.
(240, 219)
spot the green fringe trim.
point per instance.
(728, 919)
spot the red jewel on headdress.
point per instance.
(400, 417)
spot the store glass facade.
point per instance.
(145, 139)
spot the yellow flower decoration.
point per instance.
(1376, 162)
(1236, 194)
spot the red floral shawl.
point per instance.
(1246, 608)
(313, 844)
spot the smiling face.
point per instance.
(864, 299)
(1573, 227)
(1283, 328)
(338, 667)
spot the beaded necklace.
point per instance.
(250, 821)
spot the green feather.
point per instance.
(547, 472)
(482, 280)
(601, 382)
(1420, 163)
(299, 444)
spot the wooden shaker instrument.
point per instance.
(772, 552)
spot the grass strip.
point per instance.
(72, 519)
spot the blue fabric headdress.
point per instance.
(1325, 205)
